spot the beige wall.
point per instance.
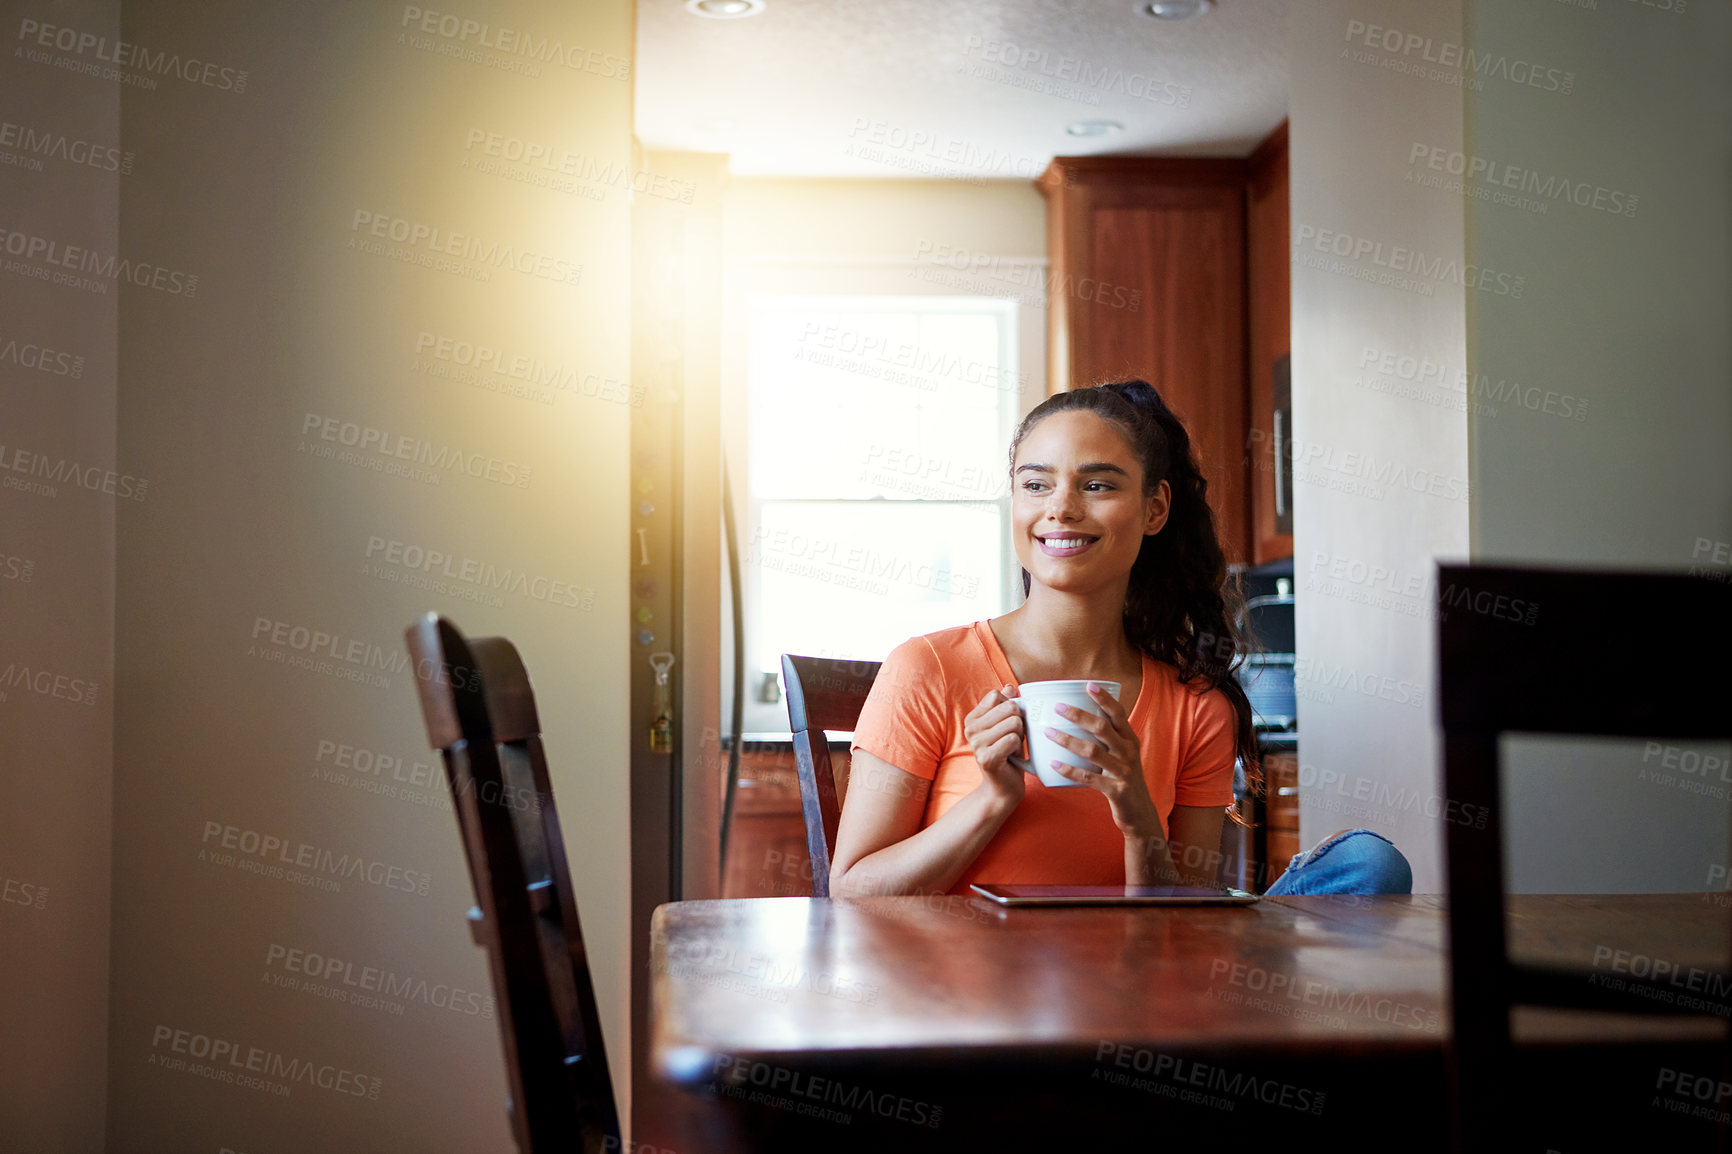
(1602, 423)
(882, 220)
(252, 603)
(61, 492)
(1566, 373)
(1380, 477)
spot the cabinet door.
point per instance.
(1270, 303)
(1148, 280)
(1281, 791)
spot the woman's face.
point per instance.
(1078, 510)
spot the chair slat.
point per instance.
(1549, 651)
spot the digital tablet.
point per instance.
(1026, 895)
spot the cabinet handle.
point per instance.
(1280, 444)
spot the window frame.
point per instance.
(886, 285)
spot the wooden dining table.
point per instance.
(948, 1023)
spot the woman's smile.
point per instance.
(1064, 544)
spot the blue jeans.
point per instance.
(1355, 862)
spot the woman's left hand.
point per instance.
(1114, 749)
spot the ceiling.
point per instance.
(948, 88)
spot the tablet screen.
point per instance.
(1112, 895)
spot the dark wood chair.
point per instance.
(1541, 651)
(480, 715)
(823, 693)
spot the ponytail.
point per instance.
(1180, 607)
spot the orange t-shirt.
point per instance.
(913, 720)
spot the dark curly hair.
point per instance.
(1181, 607)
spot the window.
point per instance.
(877, 496)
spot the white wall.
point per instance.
(1603, 436)
(1380, 476)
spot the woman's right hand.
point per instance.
(994, 730)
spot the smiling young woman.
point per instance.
(1126, 583)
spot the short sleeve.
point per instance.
(906, 719)
(1206, 773)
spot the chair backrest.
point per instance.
(1544, 651)
(823, 693)
(480, 714)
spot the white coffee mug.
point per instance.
(1035, 701)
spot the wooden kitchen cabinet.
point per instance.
(1148, 279)
(1281, 804)
(1269, 297)
(1178, 271)
(767, 856)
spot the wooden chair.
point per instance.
(1538, 651)
(823, 693)
(480, 714)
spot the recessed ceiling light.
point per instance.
(1175, 9)
(1094, 127)
(724, 9)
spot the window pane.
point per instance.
(905, 400)
(856, 580)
